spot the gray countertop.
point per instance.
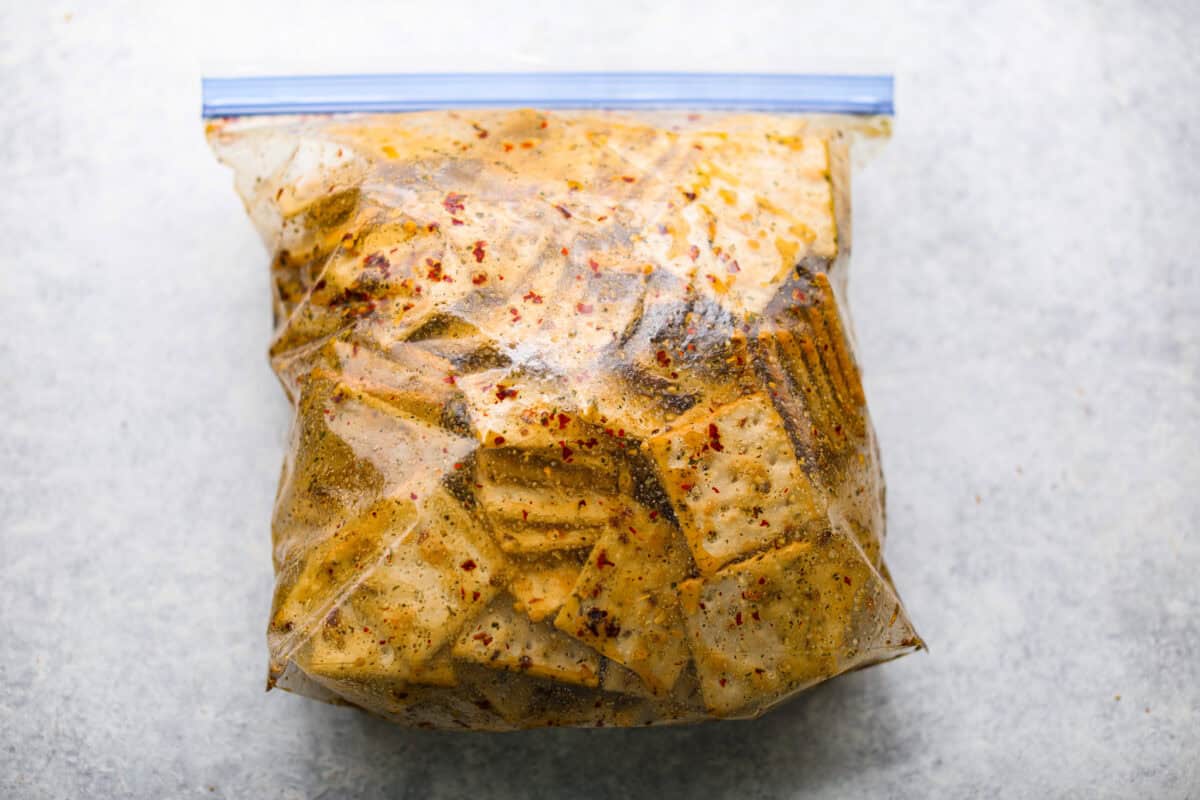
(1027, 298)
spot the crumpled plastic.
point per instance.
(579, 435)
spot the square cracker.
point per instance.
(789, 618)
(429, 581)
(506, 639)
(624, 603)
(526, 409)
(541, 586)
(734, 480)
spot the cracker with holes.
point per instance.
(734, 480)
(430, 580)
(788, 618)
(542, 585)
(504, 638)
(624, 602)
(525, 408)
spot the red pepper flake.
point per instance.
(687, 487)
(532, 297)
(566, 214)
(563, 421)
(544, 124)
(754, 614)
(458, 465)
(846, 579)
(694, 252)
(474, 596)
(714, 437)
(761, 581)
(721, 681)
(366, 629)
(504, 392)
(412, 495)
(738, 618)
(524, 662)
(499, 440)
(662, 358)
(479, 131)
(469, 565)
(527, 144)
(319, 285)
(508, 147)
(377, 261)
(435, 269)
(433, 227)
(566, 451)
(484, 637)
(716, 490)
(691, 196)
(732, 267)
(454, 202)
(764, 524)
(653, 515)
(628, 178)
(479, 252)
(584, 308)
(602, 560)
(594, 264)
(620, 433)
(456, 221)
(525, 515)
(479, 279)
(565, 251)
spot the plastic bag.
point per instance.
(579, 435)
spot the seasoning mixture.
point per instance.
(579, 436)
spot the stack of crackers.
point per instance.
(580, 438)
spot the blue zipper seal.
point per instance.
(334, 94)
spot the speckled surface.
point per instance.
(1028, 305)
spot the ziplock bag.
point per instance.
(579, 435)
